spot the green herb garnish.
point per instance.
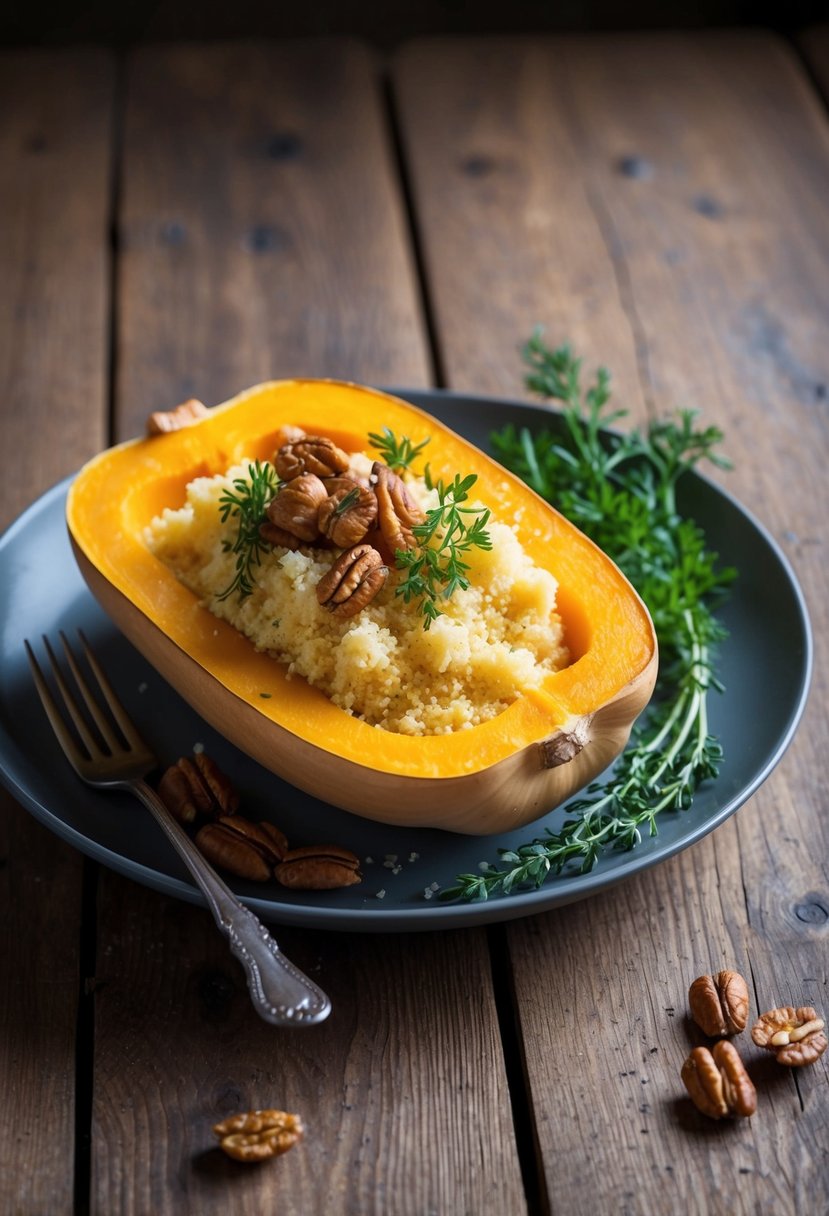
(435, 569)
(247, 502)
(621, 491)
(349, 501)
(398, 454)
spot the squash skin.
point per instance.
(491, 778)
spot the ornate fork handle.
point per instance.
(280, 992)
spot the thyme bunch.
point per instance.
(435, 568)
(247, 503)
(620, 489)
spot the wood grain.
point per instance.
(54, 198)
(262, 228)
(690, 155)
(398, 1089)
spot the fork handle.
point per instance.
(280, 992)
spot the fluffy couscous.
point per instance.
(493, 640)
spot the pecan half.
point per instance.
(347, 513)
(164, 421)
(318, 868)
(295, 508)
(353, 581)
(796, 1036)
(278, 536)
(286, 434)
(397, 511)
(259, 1134)
(310, 454)
(234, 851)
(718, 1083)
(719, 1003)
(196, 785)
(266, 838)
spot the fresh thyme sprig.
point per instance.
(398, 454)
(435, 568)
(247, 502)
(621, 490)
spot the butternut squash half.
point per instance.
(512, 769)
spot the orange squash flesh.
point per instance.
(502, 773)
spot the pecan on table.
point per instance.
(248, 850)
(796, 1036)
(196, 785)
(310, 454)
(352, 582)
(397, 511)
(259, 1134)
(718, 1083)
(296, 506)
(347, 513)
(164, 421)
(318, 868)
(719, 1003)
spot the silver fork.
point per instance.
(280, 992)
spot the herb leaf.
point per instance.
(398, 454)
(247, 502)
(435, 569)
(620, 489)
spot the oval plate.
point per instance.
(764, 604)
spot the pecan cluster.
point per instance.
(196, 787)
(322, 502)
(716, 1078)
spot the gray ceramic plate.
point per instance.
(41, 591)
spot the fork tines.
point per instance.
(93, 749)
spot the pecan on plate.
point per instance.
(347, 513)
(718, 1083)
(164, 421)
(295, 508)
(196, 785)
(318, 868)
(352, 582)
(310, 454)
(719, 1003)
(248, 850)
(397, 511)
(259, 1134)
(796, 1036)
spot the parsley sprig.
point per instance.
(621, 490)
(247, 503)
(399, 454)
(435, 568)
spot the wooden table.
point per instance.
(193, 219)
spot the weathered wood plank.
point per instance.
(397, 1090)
(55, 116)
(703, 162)
(262, 227)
